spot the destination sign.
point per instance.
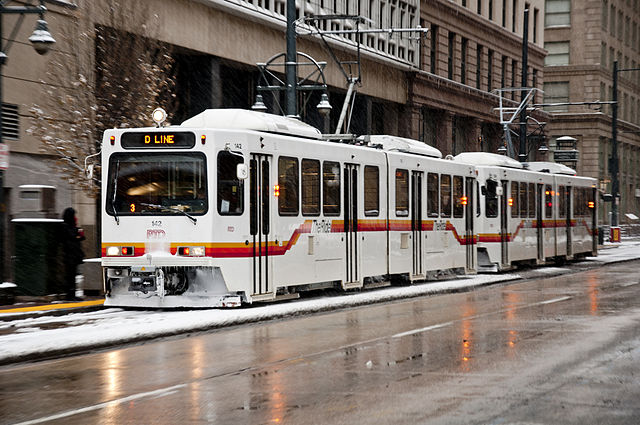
(175, 139)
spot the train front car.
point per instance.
(171, 201)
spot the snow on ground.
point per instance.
(26, 338)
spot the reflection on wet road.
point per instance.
(558, 350)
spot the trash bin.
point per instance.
(600, 235)
(37, 266)
(614, 234)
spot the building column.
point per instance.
(445, 133)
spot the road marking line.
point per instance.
(161, 392)
(629, 284)
(428, 328)
(555, 300)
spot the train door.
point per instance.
(352, 256)
(260, 223)
(416, 221)
(469, 236)
(567, 211)
(539, 227)
(504, 223)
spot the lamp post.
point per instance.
(613, 166)
(41, 40)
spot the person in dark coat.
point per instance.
(72, 254)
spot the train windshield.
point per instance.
(157, 184)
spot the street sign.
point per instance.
(4, 156)
(566, 156)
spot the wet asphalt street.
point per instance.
(560, 350)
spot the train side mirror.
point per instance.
(242, 171)
(483, 190)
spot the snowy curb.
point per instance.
(25, 346)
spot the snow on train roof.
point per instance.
(241, 119)
(488, 159)
(551, 167)
(393, 143)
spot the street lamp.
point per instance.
(42, 41)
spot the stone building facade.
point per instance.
(583, 40)
(440, 89)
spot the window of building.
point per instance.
(432, 194)
(402, 193)
(434, 49)
(490, 70)
(463, 61)
(451, 57)
(479, 66)
(504, 13)
(331, 188)
(503, 75)
(491, 10)
(605, 14)
(310, 187)
(10, 122)
(288, 186)
(557, 13)
(612, 21)
(371, 191)
(558, 53)
(514, 9)
(556, 92)
(230, 188)
(479, 7)
(514, 82)
(536, 18)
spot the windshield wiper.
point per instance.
(115, 192)
(162, 207)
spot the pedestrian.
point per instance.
(72, 254)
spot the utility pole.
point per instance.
(290, 61)
(522, 152)
(613, 166)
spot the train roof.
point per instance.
(552, 168)
(488, 159)
(242, 119)
(400, 144)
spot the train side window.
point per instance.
(371, 191)
(445, 195)
(562, 212)
(532, 200)
(433, 184)
(310, 187)
(514, 199)
(288, 199)
(548, 201)
(576, 202)
(331, 188)
(522, 198)
(458, 193)
(402, 192)
(230, 188)
(491, 199)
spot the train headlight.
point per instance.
(120, 251)
(159, 116)
(113, 251)
(191, 251)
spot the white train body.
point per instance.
(237, 206)
(531, 215)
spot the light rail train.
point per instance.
(236, 206)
